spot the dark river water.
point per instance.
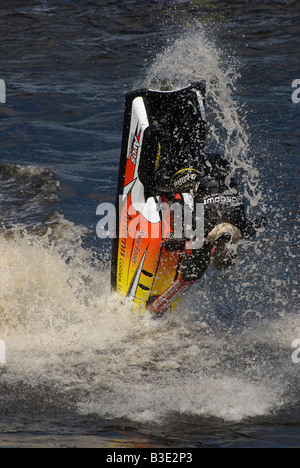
(81, 370)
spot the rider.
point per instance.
(182, 166)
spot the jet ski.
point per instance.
(177, 208)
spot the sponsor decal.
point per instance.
(223, 199)
(135, 147)
(184, 177)
(137, 249)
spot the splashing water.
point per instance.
(193, 57)
(78, 346)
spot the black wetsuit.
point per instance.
(218, 191)
(174, 161)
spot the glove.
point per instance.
(223, 238)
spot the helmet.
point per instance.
(185, 179)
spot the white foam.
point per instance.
(62, 327)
